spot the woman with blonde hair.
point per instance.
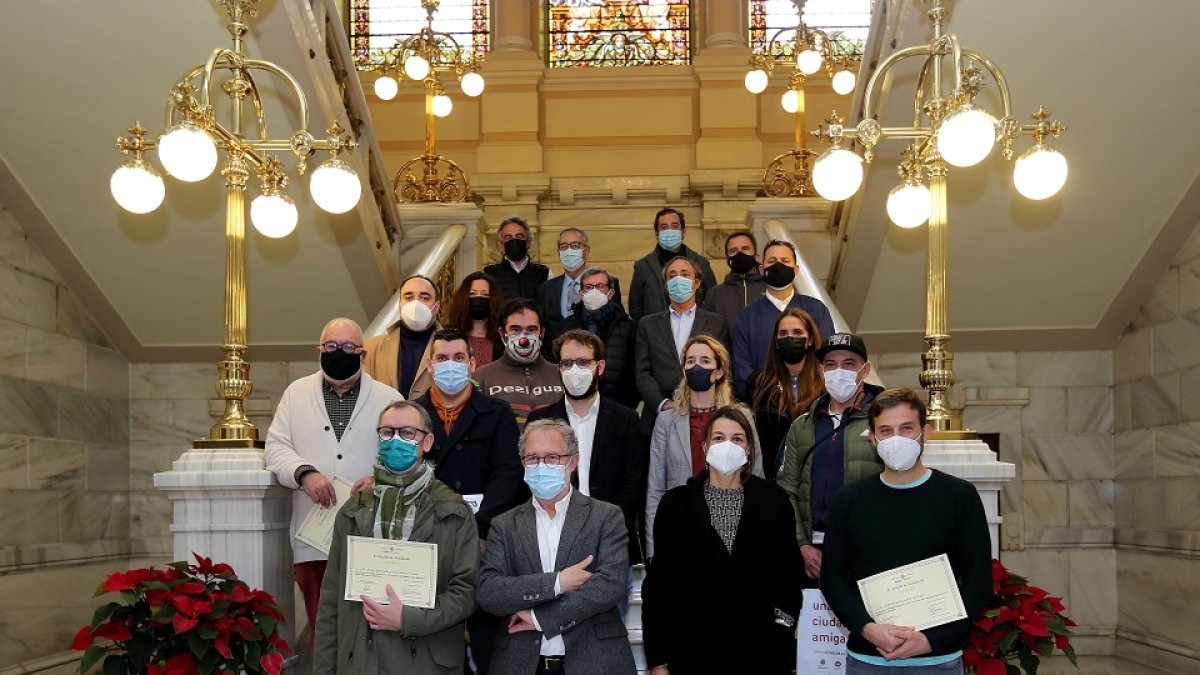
(788, 382)
(677, 444)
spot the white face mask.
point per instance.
(594, 299)
(415, 315)
(577, 380)
(841, 384)
(726, 457)
(898, 452)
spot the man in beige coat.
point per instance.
(398, 358)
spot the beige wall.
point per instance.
(64, 454)
(1156, 397)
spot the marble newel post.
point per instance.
(422, 225)
(972, 460)
(228, 507)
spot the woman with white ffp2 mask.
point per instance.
(727, 519)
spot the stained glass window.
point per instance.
(376, 24)
(595, 33)
(846, 22)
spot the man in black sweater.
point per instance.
(905, 515)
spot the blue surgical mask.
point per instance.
(670, 239)
(571, 259)
(679, 289)
(546, 481)
(450, 376)
(398, 455)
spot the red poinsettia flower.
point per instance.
(1019, 616)
(182, 664)
(205, 566)
(272, 663)
(83, 639)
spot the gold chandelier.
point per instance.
(809, 50)
(188, 151)
(948, 129)
(422, 57)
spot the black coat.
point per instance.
(706, 610)
(618, 337)
(479, 456)
(772, 425)
(516, 284)
(617, 471)
(549, 300)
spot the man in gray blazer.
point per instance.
(658, 367)
(646, 293)
(556, 567)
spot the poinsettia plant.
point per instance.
(183, 620)
(1022, 624)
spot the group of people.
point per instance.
(761, 463)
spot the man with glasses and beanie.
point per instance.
(473, 452)
(406, 504)
(324, 426)
(555, 568)
(518, 275)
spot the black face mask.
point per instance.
(339, 365)
(741, 263)
(515, 249)
(791, 349)
(779, 275)
(699, 378)
(479, 307)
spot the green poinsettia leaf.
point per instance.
(209, 663)
(267, 624)
(139, 648)
(198, 645)
(1070, 652)
(116, 664)
(1045, 647)
(1029, 663)
(104, 613)
(1006, 642)
(1010, 669)
(253, 655)
(90, 657)
(207, 632)
(1056, 625)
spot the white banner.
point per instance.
(820, 637)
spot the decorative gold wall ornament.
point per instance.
(808, 50)
(947, 129)
(423, 57)
(188, 150)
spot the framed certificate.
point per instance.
(409, 566)
(922, 595)
(317, 528)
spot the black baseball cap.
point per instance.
(843, 342)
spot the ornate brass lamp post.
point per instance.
(188, 151)
(809, 50)
(423, 57)
(947, 130)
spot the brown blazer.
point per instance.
(383, 358)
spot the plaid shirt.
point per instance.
(340, 408)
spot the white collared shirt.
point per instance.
(517, 267)
(780, 304)
(585, 432)
(681, 328)
(549, 531)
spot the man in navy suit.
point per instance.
(558, 297)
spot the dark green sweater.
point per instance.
(873, 528)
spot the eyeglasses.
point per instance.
(549, 460)
(348, 347)
(406, 433)
(603, 288)
(565, 364)
(574, 246)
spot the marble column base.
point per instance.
(973, 461)
(228, 507)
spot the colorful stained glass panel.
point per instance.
(599, 33)
(375, 25)
(846, 22)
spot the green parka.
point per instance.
(859, 457)
(431, 640)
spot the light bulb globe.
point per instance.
(442, 105)
(809, 61)
(756, 81)
(187, 152)
(335, 187)
(966, 136)
(1040, 172)
(790, 100)
(416, 67)
(137, 187)
(472, 84)
(908, 205)
(843, 82)
(837, 174)
(273, 216)
(386, 88)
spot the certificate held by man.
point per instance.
(410, 567)
(922, 595)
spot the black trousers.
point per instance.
(483, 628)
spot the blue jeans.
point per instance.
(856, 667)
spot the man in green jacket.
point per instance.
(827, 446)
(406, 503)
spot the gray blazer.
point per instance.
(671, 461)
(511, 579)
(647, 294)
(656, 366)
